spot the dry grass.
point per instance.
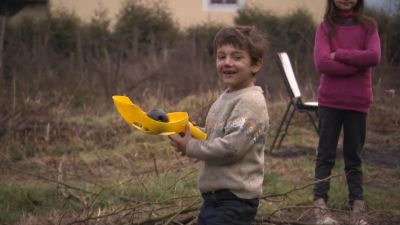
(111, 173)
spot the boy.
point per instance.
(231, 170)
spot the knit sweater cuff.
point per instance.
(190, 148)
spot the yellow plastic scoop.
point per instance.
(137, 118)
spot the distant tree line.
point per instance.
(62, 58)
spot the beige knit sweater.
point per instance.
(232, 157)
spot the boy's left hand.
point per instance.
(180, 142)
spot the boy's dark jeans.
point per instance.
(354, 130)
(224, 208)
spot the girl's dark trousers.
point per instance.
(354, 129)
(222, 207)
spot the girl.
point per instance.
(347, 45)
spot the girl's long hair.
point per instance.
(331, 11)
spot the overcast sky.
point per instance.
(374, 2)
(380, 3)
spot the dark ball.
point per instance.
(158, 114)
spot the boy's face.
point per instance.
(235, 68)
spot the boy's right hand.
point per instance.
(180, 141)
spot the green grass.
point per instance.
(17, 151)
(279, 181)
(338, 197)
(123, 162)
(275, 183)
(104, 121)
(396, 172)
(383, 199)
(19, 200)
(159, 188)
(151, 188)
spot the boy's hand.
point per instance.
(180, 142)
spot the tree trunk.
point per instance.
(2, 35)
(9, 82)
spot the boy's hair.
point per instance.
(331, 12)
(247, 38)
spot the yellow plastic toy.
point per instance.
(137, 118)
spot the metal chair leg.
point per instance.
(278, 132)
(287, 127)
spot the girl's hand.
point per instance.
(332, 55)
(180, 141)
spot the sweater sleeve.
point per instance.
(323, 62)
(362, 58)
(242, 129)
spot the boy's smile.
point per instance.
(235, 68)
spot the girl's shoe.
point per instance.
(322, 215)
(357, 213)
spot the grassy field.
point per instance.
(86, 167)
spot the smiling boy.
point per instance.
(231, 159)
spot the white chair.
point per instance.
(295, 103)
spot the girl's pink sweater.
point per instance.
(346, 80)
